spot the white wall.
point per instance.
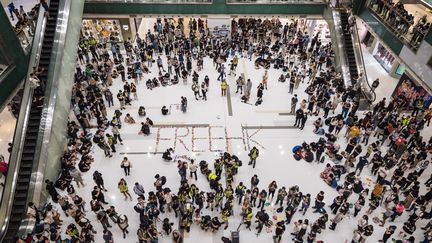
(417, 62)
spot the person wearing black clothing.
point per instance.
(299, 116)
(121, 70)
(303, 121)
(52, 190)
(361, 164)
(280, 229)
(164, 110)
(389, 231)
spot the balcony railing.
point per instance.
(401, 23)
(152, 1)
(275, 1)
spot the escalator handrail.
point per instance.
(366, 88)
(49, 106)
(21, 128)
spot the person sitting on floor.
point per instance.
(141, 111)
(145, 129)
(167, 154)
(129, 119)
(164, 111)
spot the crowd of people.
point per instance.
(384, 139)
(395, 14)
(25, 20)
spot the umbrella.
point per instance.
(296, 148)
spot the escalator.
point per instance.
(349, 47)
(19, 207)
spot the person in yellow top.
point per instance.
(212, 176)
(248, 215)
(354, 131)
(122, 185)
(224, 87)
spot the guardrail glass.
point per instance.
(365, 85)
(150, 1)
(276, 1)
(400, 22)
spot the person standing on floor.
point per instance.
(108, 236)
(303, 121)
(193, 169)
(294, 101)
(299, 116)
(253, 155)
(116, 133)
(240, 83)
(224, 87)
(265, 80)
(103, 219)
(123, 187)
(123, 223)
(204, 90)
(248, 88)
(160, 64)
(221, 71)
(126, 165)
(280, 229)
(139, 189)
(388, 233)
(196, 89)
(110, 141)
(183, 104)
(291, 84)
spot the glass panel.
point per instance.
(410, 28)
(276, 1)
(151, 1)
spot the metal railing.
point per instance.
(153, 1)
(276, 2)
(367, 90)
(21, 128)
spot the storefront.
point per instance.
(383, 56)
(408, 88)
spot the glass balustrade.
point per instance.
(410, 31)
(150, 1)
(276, 1)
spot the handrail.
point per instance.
(340, 46)
(370, 94)
(41, 154)
(21, 128)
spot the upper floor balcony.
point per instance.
(410, 23)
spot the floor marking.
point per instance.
(230, 112)
(271, 111)
(286, 114)
(181, 125)
(270, 127)
(141, 153)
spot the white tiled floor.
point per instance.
(375, 70)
